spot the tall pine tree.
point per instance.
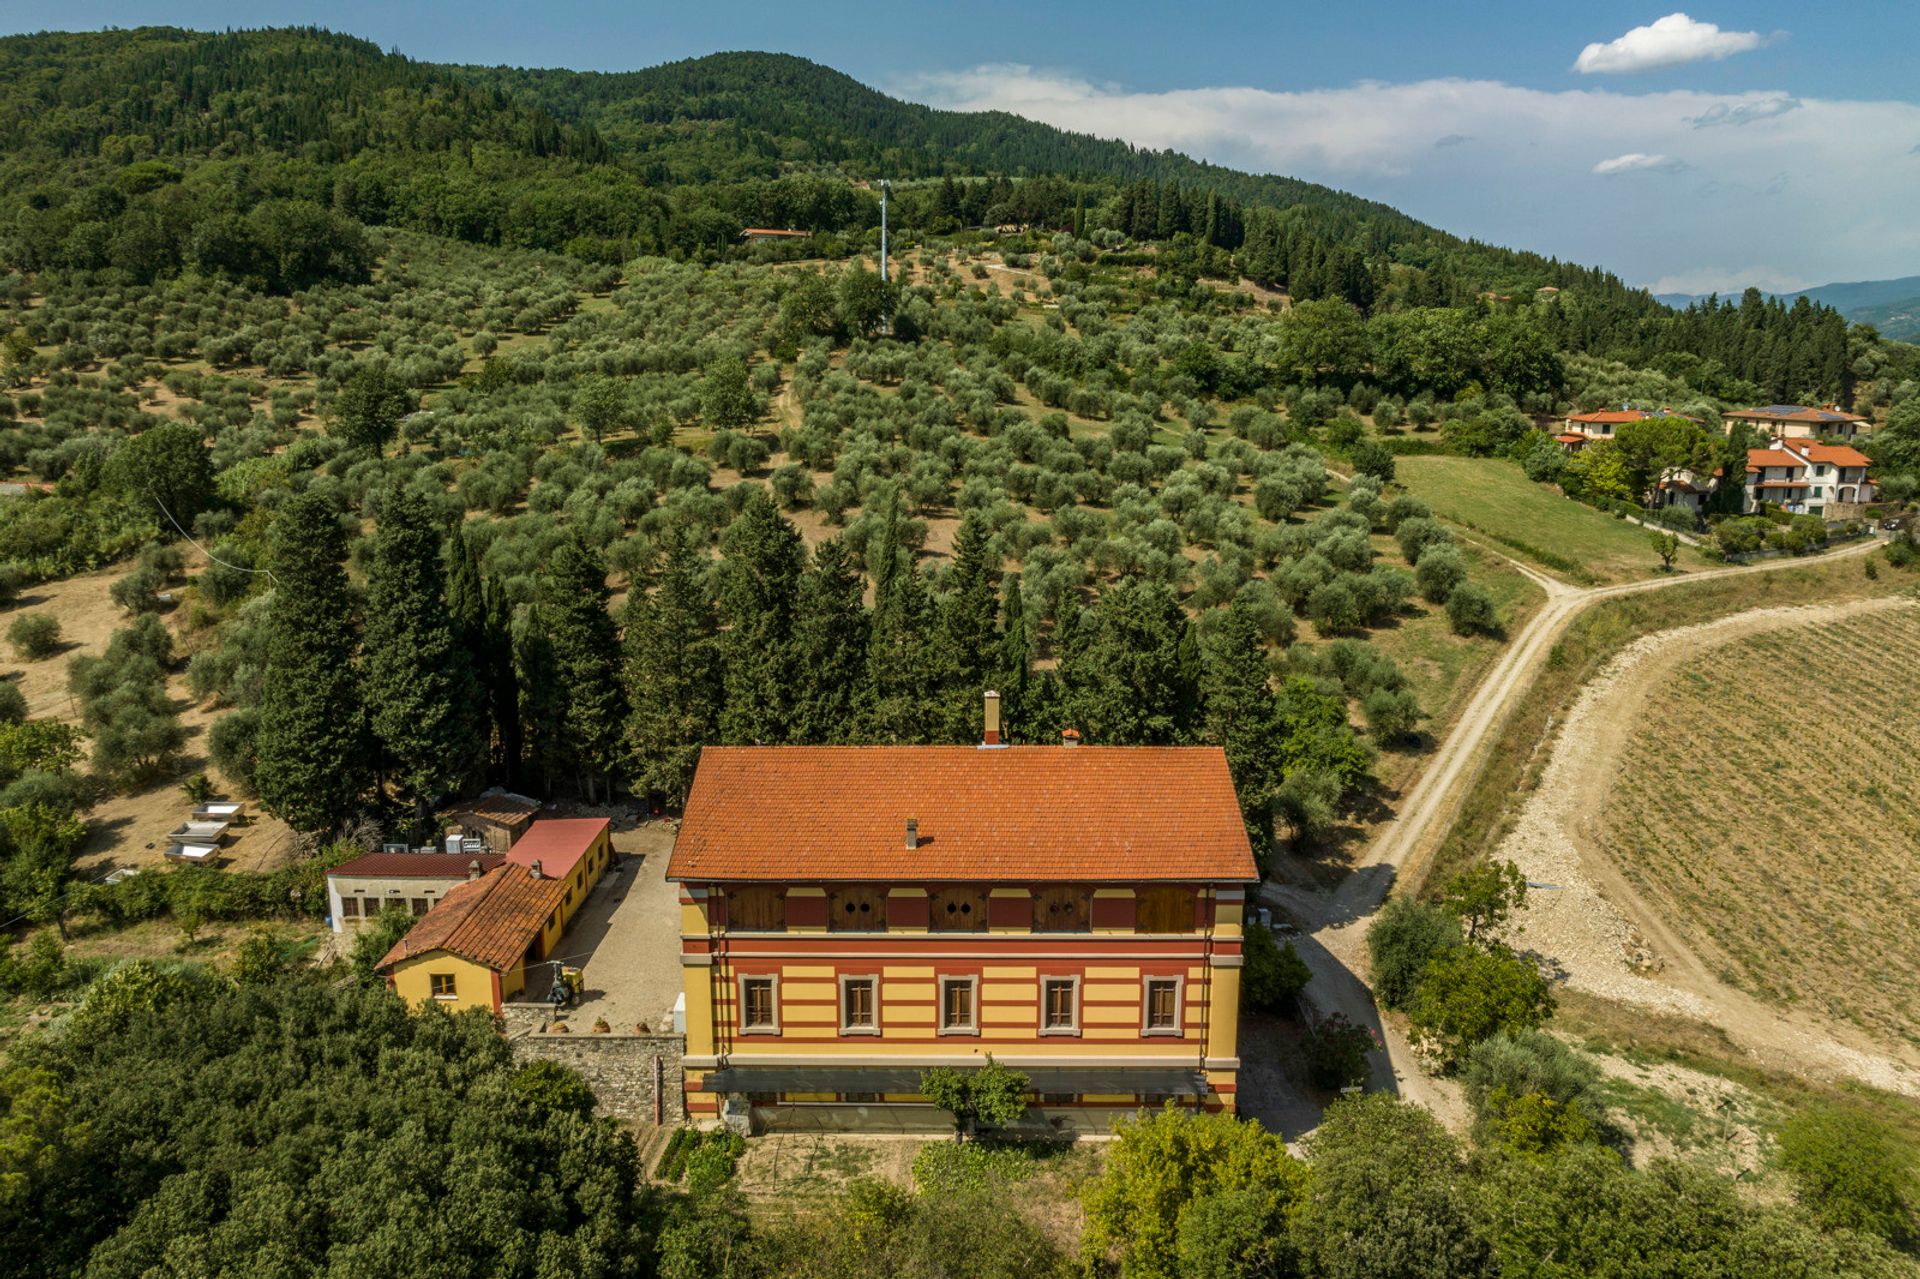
(422, 699)
(313, 759)
(1131, 676)
(573, 602)
(830, 637)
(671, 670)
(759, 586)
(1242, 716)
(968, 641)
(901, 649)
(483, 620)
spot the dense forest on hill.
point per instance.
(326, 131)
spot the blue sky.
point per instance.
(1744, 142)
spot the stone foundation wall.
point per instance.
(626, 1072)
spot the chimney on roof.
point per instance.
(913, 833)
(533, 870)
(473, 869)
(992, 735)
(1069, 737)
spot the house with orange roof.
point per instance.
(1806, 478)
(1582, 429)
(1798, 422)
(853, 915)
(494, 938)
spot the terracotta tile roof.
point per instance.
(1019, 814)
(767, 230)
(1757, 458)
(414, 865)
(1837, 455)
(1628, 415)
(1571, 437)
(490, 921)
(557, 843)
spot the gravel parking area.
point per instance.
(626, 939)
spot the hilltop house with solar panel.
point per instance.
(1797, 422)
(851, 915)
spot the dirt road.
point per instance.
(1333, 924)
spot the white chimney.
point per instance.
(913, 833)
(473, 869)
(533, 870)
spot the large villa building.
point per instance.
(851, 915)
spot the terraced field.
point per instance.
(1768, 808)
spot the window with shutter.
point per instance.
(1162, 1012)
(759, 1005)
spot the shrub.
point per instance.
(1272, 976)
(1470, 611)
(34, 636)
(1503, 1068)
(13, 703)
(1469, 993)
(1850, 1172)
(948, 1167)
(1371, 457)
(1402, 941)
(1337, 1052)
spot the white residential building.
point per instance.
(1805, 478)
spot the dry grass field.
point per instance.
(1769, 810)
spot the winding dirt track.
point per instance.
(1333, 924)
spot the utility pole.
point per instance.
(886, 319)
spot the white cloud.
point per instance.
(1669, 42)
(1722, 280)
(1816, 192)
(1633, 161)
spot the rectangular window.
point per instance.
(760, 1005)
(857, 1006)
(419, 905)
(371, 907)
(956, 1005)
(441, 985)
(349, 908)
(1059, 1005)
(1162, 1011)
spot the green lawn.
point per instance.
(1494, 499)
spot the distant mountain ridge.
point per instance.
(1892, 306)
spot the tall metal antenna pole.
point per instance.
(886, 321)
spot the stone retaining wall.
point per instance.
(636, 1077)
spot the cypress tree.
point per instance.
(423, 700)
(483, 622)
(541, 712)
(830, 637)
(900, 653)
(759, 586)
(1243, 717)
(586, 662)
(968, 640)
(1014, 666)
(313, 759)
(671, 669)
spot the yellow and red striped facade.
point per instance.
(834, 996)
